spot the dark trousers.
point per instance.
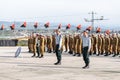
(86, 56)
(58, 53)
(38, 50)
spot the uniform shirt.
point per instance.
(58, 39)
(86, 42)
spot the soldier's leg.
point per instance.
(38, 51)
(34, 51)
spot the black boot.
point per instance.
(114, 55)
(57, 63)
(98, 54)
(74, 54)
(106, 54)
(79, 55)
(33, 55)
(86, 67)
(41, 56)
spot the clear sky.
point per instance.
(67, 11)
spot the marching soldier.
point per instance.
(111, 44)
(34, 45)
(29, 43)
(38, 45)
(75, 44)
(92, 42)
(49, 44)
(118, 51)
(99, 45)
(63, 43)
(45, 43)
(71, 41)
(95, 44)
(79, 46)
(114, 44)
(66, 43)
(53, 43)
(107, 45)
(42, 46)
(103, 44)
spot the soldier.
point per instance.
(42, 46)
(107, 45)
(114, 44)
(53, 43)
(66, 43)
(99, 45)
(95, 44)
(34, 45)
(58, 51)
(111, 42)
(86, 45)
(71, 41)
(45, 43)
(118, 51)
(63, 43)
(103, 44)
(38, 45)
(29, 43)
(79, 45)
(92, 42)
(49, 44)
(75, 44)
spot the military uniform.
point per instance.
(49, 44)
(114, 45)
(63, 43)
(29, 44)
(42, 46)
(103, 45)
(118, 51)
(95, 45)
(107, 45)
(38, 46)
(79, 46)
(99, 45)
(111, 45)
(71, 42)
(45, 43)
(53, 43)
(66, 43)
(34, 46)
(75, 45)
(91, 49)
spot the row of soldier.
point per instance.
(101, 44)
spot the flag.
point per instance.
(36, 25)
(24, 24)
(79, 27)
(2, 27)
(68, 26)
(107, 32)
(12, 26)
(89, 28)
(98, 30)
(47, 25)
(60, 25)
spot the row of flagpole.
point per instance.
(47, 25)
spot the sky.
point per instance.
(60, 11)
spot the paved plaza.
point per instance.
(26, 68)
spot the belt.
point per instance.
(85, 46)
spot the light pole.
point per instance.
(94, 19)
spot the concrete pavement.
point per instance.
(26, 68)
